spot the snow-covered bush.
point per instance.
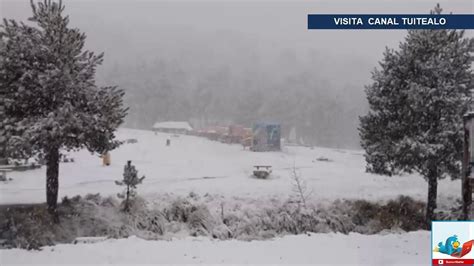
(179, 210)
(141, 218)
(95, 216)
(26, 228)
(200, 221)
(197, 216)
(221, 231)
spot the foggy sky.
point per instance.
(155, 46)
(223, 32)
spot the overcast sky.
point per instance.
(232, 32)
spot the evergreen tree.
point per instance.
(51, 100)
(131, 180)
(3, 139)
(417, 101)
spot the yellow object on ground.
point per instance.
(106, 159)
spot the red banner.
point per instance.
(453, 261)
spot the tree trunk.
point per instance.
(3, 140)
(127, 207)
(432, 195)
(52, 183)
(466, 173)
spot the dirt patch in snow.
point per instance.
(30, 226)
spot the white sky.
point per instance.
(235, 32)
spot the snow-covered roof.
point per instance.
(173, 125)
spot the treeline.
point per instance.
(321, 113)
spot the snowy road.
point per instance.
(317, 249)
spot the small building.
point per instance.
(266, 137)
(175, 127)
(216, 133)
(237, 133)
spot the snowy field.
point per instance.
(314, 249)
(194, 164)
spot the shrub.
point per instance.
(31, 226)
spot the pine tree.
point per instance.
(3, 138)
(51, 100)
(131, 180)
(417, 101)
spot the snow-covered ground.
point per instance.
(315, 249)
(194, 164)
